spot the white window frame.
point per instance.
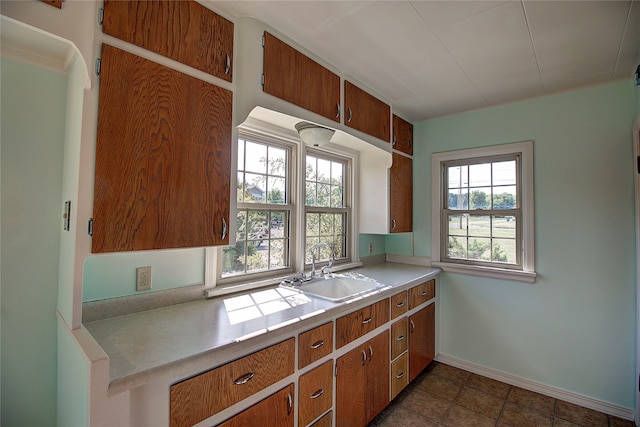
(525, 151)
(215, 285)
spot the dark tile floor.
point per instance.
(448, 396)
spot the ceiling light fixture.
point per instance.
(314, 135)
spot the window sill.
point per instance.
(497, 273)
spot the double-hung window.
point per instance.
(483, 211)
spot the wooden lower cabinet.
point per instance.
(362, 382)
(276, 410)
(315, 393)
(399, 375)
(422, 330)
(325, 421)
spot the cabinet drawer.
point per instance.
(315, 344)
(316, 396)
(356, 324)
(277, 409)
(197, 398)
(421, 293)
(399, 338)
(325, 421)
(399, 375)
(399, 303)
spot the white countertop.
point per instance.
(150, 344)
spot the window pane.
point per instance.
(479, 226)
(276, 191)
(241, 187)
(504, 197)
(311, 168)
(458, 225)
(337, 172)
(277, 250)
(480, 249)
(457, 247)
(504, 226)
(277, 161)
(459, 198)
(241, 225)
(480, 175)
(480, 198)
(310, 194)
(324, 195)
(504, 250)
(504, 173)
(338, 223)
(313, 224)
(240, 154)
(255, 188)
(233, 258)
(336, 197)
(326, 224)
(324, 171)
(256, 157)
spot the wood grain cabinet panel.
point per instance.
(399, 375)
(276, 409)
(360, 322)
(163, 157)
(315, 344)
(182, 30)
(197, 398)
(399, 337)
(296, 78)
(325, 421)
(422, 333)
(401, 194)
(362, 382)
(316, 393)
(366, 113)
(402, 139)
(422, 293)
(399, 304)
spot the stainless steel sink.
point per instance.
(338, 288)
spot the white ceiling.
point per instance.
(432, 58)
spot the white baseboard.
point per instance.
(547, 390)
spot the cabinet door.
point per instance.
(351, 388)
(295, 78)
(422, 332)
(316, 393)
(401, 194)
(366, 113)
(377, 383)
(163, 158)
(184, 31)
(315, 344)
(402, 139)
(277, 409)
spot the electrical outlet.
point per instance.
(143, 278)
(370, 248)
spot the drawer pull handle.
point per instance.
(400, 338)
(370, 354)
(317, 344)
(364, 357)
(400, 304)
(413, 326)
(367, 320)
(423, 293)
(400, 375)
(244, 379)
(289, 404)
(317, 394)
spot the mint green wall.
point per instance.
(114, 275)
(32, 106)
(378, 241)
(575, 327)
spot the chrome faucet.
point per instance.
(332, 258)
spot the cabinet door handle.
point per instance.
(400, 338)
(400, 304)
(400, 375)
(317, 344)
(367, 320)
(423, 293)
(289, 404)
(364, 357)
(350, 115)
(393, 144)
(413, 326)
(244, 378)
(370, 354)
(227, 66)
(224, 229)
(393, 224)
(337, 110)
(317, 394)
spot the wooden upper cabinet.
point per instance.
(184, 31)
(295, 78)
(401, 194)
(163, 158)
(366, 113)
(402, 135)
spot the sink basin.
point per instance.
(339, 288)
